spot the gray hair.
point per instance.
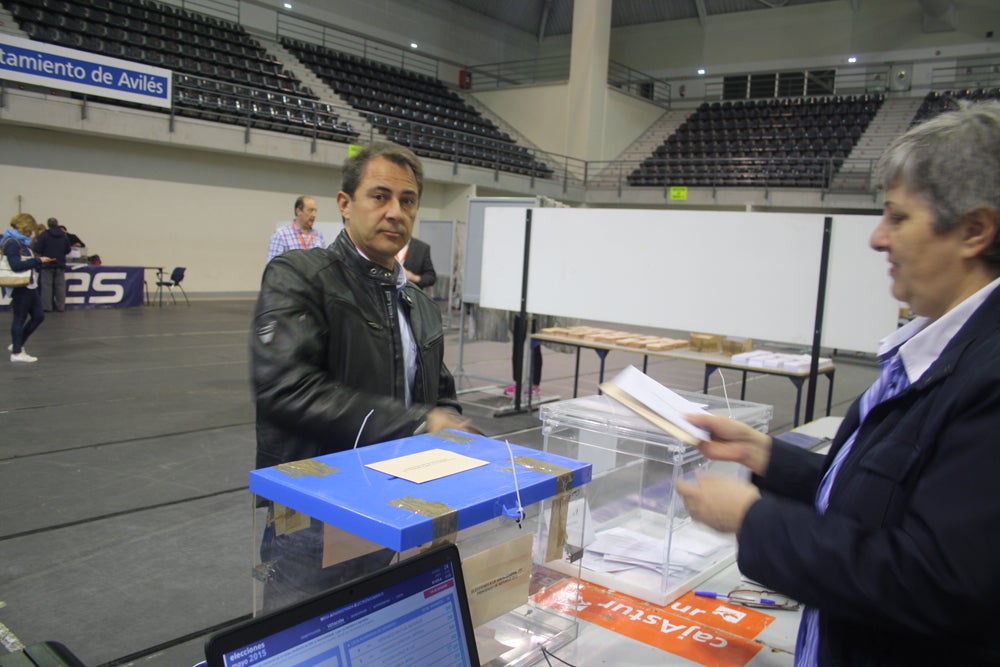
(953, 162)
(354, 167)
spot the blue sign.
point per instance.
(99, 287)
(54, 66)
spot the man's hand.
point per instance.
(439, 419)
(411, 276)
(46, 260)
(717, 501)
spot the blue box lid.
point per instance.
(339, 490)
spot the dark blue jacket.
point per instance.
(18, 256)
(55, 244)
(905, 564)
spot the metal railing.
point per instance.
(262, 109)
(847, 81)
(340, 40)
(548, 70)
(969, 73)
(663, 174)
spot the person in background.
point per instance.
(345, 350)
(74, 240)
(25, 304)
(54, 244)
(416, 260)
(891, 539)
(299, 234)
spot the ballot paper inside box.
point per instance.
(515, 513)
(639, 538)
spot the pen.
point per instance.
(737, 598)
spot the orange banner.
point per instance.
(709, 632)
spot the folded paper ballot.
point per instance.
(659, 405)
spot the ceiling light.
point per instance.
(413, 45)
(701, 71)
(852, 59)
(287, 5)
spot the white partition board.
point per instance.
(860, 309)
(475, 243)
(734, 273)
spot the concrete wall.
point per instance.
(149, 205)
(540, 112)
(817, 34)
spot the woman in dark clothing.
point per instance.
(24, 301)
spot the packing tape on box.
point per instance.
(306, 468)
(454, 436)
(564, 476)
(444, 519)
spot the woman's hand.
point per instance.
(733, 441)
(718, 501)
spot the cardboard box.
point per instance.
(735, 345)
(701, 342)
(508, 508)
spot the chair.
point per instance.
(176, 276)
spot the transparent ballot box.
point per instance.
(515, 513)
(639, 538)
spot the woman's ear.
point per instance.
(979, 230)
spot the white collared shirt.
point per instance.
(921, 341)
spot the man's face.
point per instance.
(305, 217)
(379, 218)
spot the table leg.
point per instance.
(645, 362)
(829, 392)
(798, 399)
(743, 387)
(576, 373)
(603, 354)
(709, 369)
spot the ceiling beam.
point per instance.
(544, 19)
(702, 13)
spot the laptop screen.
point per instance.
(419, 604)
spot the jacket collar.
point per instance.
(357, 262)
(982, 322)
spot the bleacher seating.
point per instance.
(937, 101)
(417, 110)
(790, 142)
(221, 73)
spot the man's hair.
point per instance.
(24, 223)
(354, 166)
(52, 223)
(952, 162)
(300, 202)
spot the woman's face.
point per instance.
(927, 268)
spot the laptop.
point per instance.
(415, 612)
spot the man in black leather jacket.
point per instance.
(344, 349)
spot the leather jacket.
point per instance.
(326, 355)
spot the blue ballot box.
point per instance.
(515, 513)
(640, 539)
